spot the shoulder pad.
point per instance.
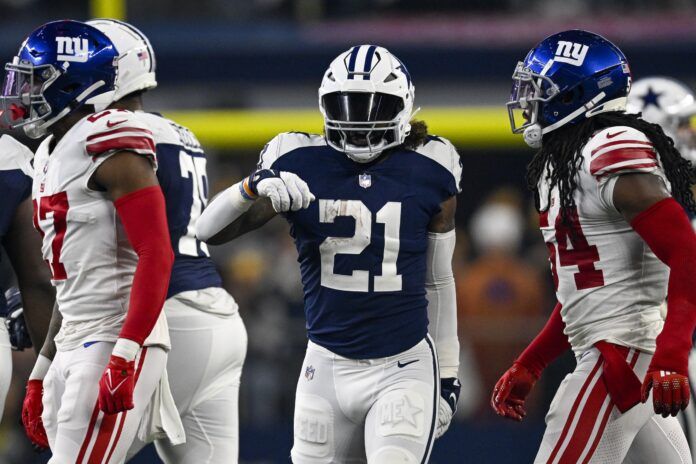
(167, 131)
(441, 150)
(619, 150)
(117, 130)
(286, 142)
(15, 155)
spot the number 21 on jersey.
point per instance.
(359, 280)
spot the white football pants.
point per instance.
(78, 432)
(204, 369)
(583, 426)
(5, 364)
(380, 411)
(687, 418)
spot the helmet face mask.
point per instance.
(366, 99)
(526, 95)
(23, 94)
(361, 121)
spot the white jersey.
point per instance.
(84, 242)
(608, 281)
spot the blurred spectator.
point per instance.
(500, 298)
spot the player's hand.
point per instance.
(116, 386)
(32, 408)
(511, 391)
(449, 395)
(17, 328)
(286, 190)
(670, 391)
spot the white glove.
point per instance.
(444, 417)
(286, 191)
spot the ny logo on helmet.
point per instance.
(571, 52)
(72, 49)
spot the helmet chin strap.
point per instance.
(533, 134)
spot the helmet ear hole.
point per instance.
(571, 96)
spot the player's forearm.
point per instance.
(230, 215)
(143, 215)
(548, 345)
(442, 301)
(48, 349)
(667, 231)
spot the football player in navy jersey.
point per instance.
(22, 245)
(375, 237)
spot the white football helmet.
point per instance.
(135, 64)
(366, 98)
(669, 103)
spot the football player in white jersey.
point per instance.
(608, 187)
(101, 212)
(671, 104)
(22, 245)
(207, 333)
(379, 380)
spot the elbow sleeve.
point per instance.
(144, 218)
(442, 301)
(223, 210)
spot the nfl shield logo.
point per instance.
(365, 180)
(309, 372)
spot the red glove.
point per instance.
(512, 390)
(670, 391)
(116, 386)
(31, 414)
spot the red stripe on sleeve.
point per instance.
(122, 143)
(610, 158)
(652, 164)
(622, 142)
(118, 131)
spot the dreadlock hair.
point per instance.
(417, 136)
(562, 152)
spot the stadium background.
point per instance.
(239, 71)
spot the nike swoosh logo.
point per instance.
(611, 136)
(400, 364)
(113, 390)
(114, 123)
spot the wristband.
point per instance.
(126, 349)
(40, 368)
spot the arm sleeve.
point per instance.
(223, 210)
(442, 301)
(548, 345)
(144, 218)
(667, 231)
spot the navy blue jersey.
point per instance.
(15, 187)
(362, 244)
(182, 174)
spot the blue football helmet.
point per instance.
(568, 77)
(59, 68)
